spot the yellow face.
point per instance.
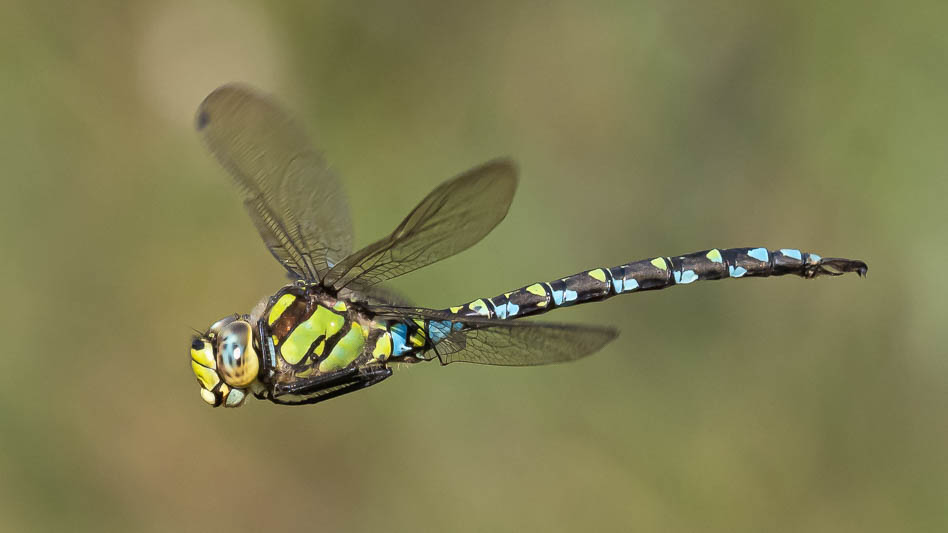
(225, 362)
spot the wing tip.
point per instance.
(504, 166)
(221, 94)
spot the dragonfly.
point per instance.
(334, 330)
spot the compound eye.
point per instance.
(237, 361)
(216, 327)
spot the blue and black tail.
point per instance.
(658, 273)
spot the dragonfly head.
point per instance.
(225, 361)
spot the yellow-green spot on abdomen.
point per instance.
(537, 289)
(479, 307)
(714, 255)
(417, 338)
(455, 309)
(340, 306)
(659, 262)
(346, 350)
(279, 307)
(322, 323)
(598, 274)
(383, 347)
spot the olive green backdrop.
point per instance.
(641, 129)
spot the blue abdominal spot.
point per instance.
(789, 252)
(759, 254)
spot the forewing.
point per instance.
(294, 200)
(457, 214)
(492, 341)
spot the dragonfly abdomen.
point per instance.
(653, 274)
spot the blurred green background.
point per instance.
(641, 129)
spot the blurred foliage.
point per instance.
(642, 128)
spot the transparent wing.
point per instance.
(294, 200)
(490, 341)
(457, 214)
(521, 343)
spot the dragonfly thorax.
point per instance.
(310, 331)
(225, 361)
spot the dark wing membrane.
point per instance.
(294, 200)
(453, 217)
(490, 341)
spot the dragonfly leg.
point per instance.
(267, 351)
(335, 384)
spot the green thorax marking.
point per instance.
(279, 307)
(311, 331)
(346, 350)
(321, 325)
